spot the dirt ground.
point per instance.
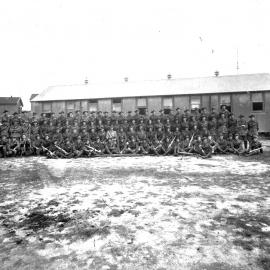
(135, 213)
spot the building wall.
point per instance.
(84, 105)
(181, 102)
(36, 107)
(154, 103)
(10, 108)
(58, 106)
(241, 103)
(206, 101)
(129, 104)
(105, 105)
(263, 117)
(214, 102)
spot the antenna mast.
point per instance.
(237, 62)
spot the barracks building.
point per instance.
(12, 104)
(242, 94)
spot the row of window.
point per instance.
(257, 100)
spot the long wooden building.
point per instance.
(242, 94)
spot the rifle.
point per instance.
(191, 154)
(121, 152)
(191, 139)
(50, 152)
(24, 150)
(158, 146)
(254, 150)
(61, 149)
(92, 148)
(169, 146)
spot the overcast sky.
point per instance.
(62, 41)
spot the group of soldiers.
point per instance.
(90, 134)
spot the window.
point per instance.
(117, 104)
(168, 102)
(46, 107)
(141, 105)
(257, 102)
(84, 105)
(141, 102)
(70, 106)
(93, 105)
(195, 102)
(226, 100)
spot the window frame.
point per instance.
(228, 105)
(115, 102)
(163, 100)
(137, 102)
(93, 101)
(199, 97)
(49, 104)
(253, 102)
(68, 102)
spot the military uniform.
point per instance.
(4, 146)
(253, 127)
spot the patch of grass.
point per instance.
(264, 262)
(245, 244)
(250, 224)
(248, 233)
(116, 212)
(124, 232)
(92, 230)
(246, 198)
(37, 220)
(217, 266)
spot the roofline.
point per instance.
(157, 80)
(89, 85)
(193, 94)
(19, 99)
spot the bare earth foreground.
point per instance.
(135, 213)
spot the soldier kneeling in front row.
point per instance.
(255, 147)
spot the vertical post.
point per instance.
(237, 62)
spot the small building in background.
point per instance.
(242, 94)
(12, 104)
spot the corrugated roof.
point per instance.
(10, 100)
(202, 85)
